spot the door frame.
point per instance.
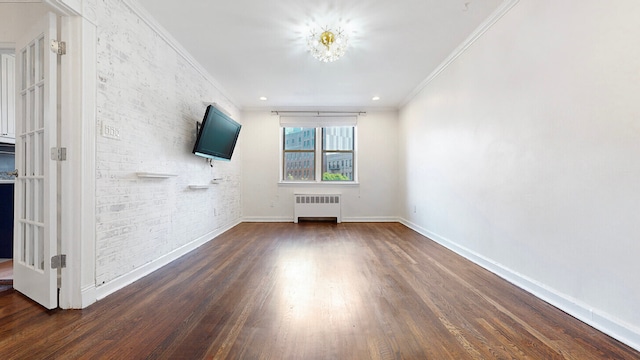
(77, 133)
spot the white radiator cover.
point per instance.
(317, 205)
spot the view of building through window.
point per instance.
(337, 153)
(299, 155)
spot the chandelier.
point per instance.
(327, 45)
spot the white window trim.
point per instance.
(318, 122)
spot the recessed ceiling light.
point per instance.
(375, 98)
(263, 98)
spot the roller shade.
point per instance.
(317, 121)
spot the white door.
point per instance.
(35, 206)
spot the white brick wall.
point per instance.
(153, 96)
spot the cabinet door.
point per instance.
(7, 98)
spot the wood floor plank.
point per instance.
(308, 291)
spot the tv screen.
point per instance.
(217, 135)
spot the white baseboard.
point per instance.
(267, 219)
(606, 323)
(365, 219)
(112, 286)
(88, 296)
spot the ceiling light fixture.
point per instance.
(326, 44)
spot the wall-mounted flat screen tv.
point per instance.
(217, 135)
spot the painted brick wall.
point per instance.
(153, 97)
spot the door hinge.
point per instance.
(59, 261)
(59, 154)
(59, 47)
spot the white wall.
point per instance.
(153, 96)
(374, 199)
(523, 156)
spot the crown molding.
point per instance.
(65, 7)
(146, 17)
(475, 35)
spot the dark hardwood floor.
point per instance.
(308, 291)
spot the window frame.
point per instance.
(318, 156)
(284, 152)
(325, 151)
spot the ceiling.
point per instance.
(257, 48)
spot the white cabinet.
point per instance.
(7, 98)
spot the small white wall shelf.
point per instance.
(155, 175)
(213, 182)
(198, 187)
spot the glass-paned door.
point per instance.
(35, 186)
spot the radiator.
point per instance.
(316, 206)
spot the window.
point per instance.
(335, 151)
(295, 154)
